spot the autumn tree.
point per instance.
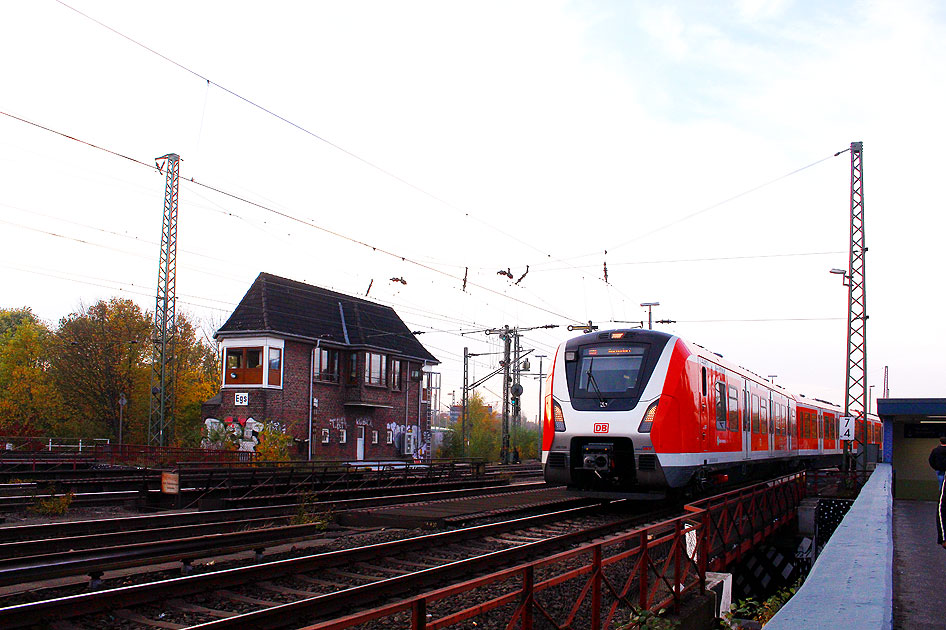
(485, 430)
(198, 379)
(100, 353)
(29, 402)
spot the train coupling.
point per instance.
(598, 457)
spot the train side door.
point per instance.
(706, 402)
(746, 427)
(820, 421)
(773, 421)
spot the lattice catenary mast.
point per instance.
(163, 334)
(855, 399)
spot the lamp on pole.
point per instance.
(845, 277)
(650, 312)
(122, 401)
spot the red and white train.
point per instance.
(641, 410)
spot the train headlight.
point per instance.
(648, 421)
(558, 416)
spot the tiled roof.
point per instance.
(282, 306)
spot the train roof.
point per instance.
(651, 336)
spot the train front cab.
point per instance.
(605, 393)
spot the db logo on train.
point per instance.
(601, 427)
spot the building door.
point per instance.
(360, 444)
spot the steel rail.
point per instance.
(45, 531)
(27, 614)
(96, 561)
(85, 557)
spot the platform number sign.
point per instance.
(241, 398)
(847, 428)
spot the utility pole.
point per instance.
(855, 394)
(507, 334)
(507, 343)
(541, 404)
(650, 313)
(464, 435)
(515, 401)
(163, 333)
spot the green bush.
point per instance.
(53, 505)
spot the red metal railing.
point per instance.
(651, 568)
(165, 456)
(837, 484)
(741, 519)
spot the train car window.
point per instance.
(764, 419)
(755, 413)
(720, 406)
(704, 380)
(733, 409)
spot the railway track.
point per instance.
(299, 590)
(239, 488)
(30, 554)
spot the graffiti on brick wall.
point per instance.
(242, 433)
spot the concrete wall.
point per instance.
(851, 584)
(914, 477)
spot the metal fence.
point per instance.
(604, 584)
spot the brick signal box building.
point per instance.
(342, 375)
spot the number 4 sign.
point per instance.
(847, 428)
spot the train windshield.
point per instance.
(609, 370)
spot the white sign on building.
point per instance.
(241, 398)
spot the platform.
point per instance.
(438, 514)
(881, 569)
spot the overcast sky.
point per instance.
(688, 145)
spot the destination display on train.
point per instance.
(609, 349)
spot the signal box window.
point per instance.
(353, 368)
(720, 406)
(375, 369)
(390, 438)
(325, 365)
(342, 436)
(275, 366)
(325, 436)
(395, 375)
(733, 409)
(244, 366)
(374, 437)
